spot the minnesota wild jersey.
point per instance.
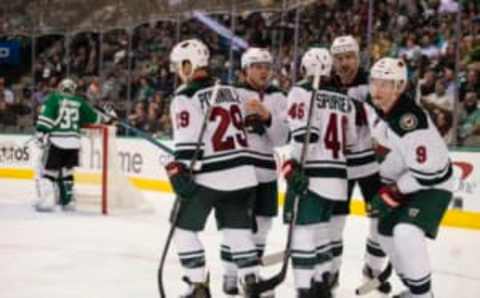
(62, 116)
(410, 150)
(225, 162)
(276, 133)
(333, 134)
(361, 162)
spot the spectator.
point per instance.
(439, 100)
(443, 121)
(145, 91)
(469, 123)
(426, 85)
(138, 118)
(7, 118)
(8, 95)
(94, 91)
(471, 84)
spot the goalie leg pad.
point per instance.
(47, 194)
(65, 186)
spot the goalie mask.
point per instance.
(67, 86)
(191, 50)
(317, 58)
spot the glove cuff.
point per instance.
(175, 168)
(288, 168)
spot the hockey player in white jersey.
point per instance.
(363, 169)
(416, 175)
(266, 125)
(324, 180)
(225, 178)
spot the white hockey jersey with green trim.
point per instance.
(224, 161)
(333, 133)
(409, 147)
(276, 132)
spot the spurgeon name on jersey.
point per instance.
(410, 150)
(333, 133)
(62, 116)
(262, 146)
(225, 162)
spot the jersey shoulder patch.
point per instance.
(408, 121)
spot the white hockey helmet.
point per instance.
(344, 44)
(317, 58)
(387, 68)
(255, 55)
(191, 50)
(67, 86)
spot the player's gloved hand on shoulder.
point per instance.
(181, 180)
(388, 198)
(258, 117)
(254, 124)
(297, 181)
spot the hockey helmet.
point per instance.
(344, 44)
(392, 69)
(255, 55)
(67, 86)
(190, 50)
(317, 58)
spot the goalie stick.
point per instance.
(139, 132)
(270, 283)
(178, 201)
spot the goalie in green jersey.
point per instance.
(61, 117)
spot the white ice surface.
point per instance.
(85, 255)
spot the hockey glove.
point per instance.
(110, 116)
(254, 124)
(388, 198)
(41, 139)
(297, 181)
(181, 180)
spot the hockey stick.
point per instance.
(139, 132)
(274, 281)
(375, 283)
(178, 201)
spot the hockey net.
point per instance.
(100, 184)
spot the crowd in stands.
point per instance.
(422, 32)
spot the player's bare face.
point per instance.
(346, 66)
(259, 74)
(384, 93)
(185, 72)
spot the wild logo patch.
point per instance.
(380, 151)
(408, 121)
